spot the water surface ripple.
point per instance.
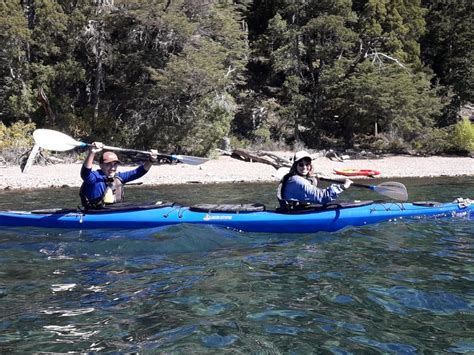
(398, 287)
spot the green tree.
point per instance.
(301, 40)
(191, 63)
(15, 95)
(448, 49)
(381, 82)
(400, 103)
(390, 30)
(180, 74)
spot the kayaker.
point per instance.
(299, 187)
(105, 186)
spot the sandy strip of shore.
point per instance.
(227, 169)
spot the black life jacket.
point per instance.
(290, 204)
(113, 193)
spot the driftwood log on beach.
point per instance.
(261, 157)
(273, 159)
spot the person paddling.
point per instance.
(105, 186)
(299, 187)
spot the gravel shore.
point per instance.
(227, 169)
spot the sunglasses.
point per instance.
(304, 163)
(113, 163)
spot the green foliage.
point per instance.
(224, 23)
(301, 42)
(49, 31)
(262, 135)
(463, 135)
(180, 75)
(457, 138)
(328, 36)
(213, 117)
(435, 141)
(14, 38)
(18, 135)
(14, 31)
(23, 103)
(392, 27)
(448, 50)
(191, 93)
(391, 97)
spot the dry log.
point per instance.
(261, 157)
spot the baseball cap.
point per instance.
(302, 154)
(109, 157)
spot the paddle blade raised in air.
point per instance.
(54, 140)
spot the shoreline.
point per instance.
(229, 170)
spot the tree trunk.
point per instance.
(47, 107)
(348, 133)
(98, 79)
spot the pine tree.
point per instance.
(390, 30)
(192, 60)
(382, 81)
(15, 37)
(448, 49)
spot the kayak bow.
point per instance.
(247, 218)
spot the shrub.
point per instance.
(389, 142)
(377, 143)
(463, 136)
(435, 141)
(18, 135)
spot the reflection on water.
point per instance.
(397, 287)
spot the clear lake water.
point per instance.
(404, 287)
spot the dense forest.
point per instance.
(179, 75)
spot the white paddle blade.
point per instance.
(190, 160)
(392, 189)
(54, 140)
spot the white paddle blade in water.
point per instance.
(54, 140)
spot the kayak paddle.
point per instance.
(392, 189)
(53, 140)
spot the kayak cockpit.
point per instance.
(326, 207)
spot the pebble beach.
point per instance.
(231, 170)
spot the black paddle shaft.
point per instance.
(342, 182)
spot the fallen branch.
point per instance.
(261, 157)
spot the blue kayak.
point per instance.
(247, 218)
